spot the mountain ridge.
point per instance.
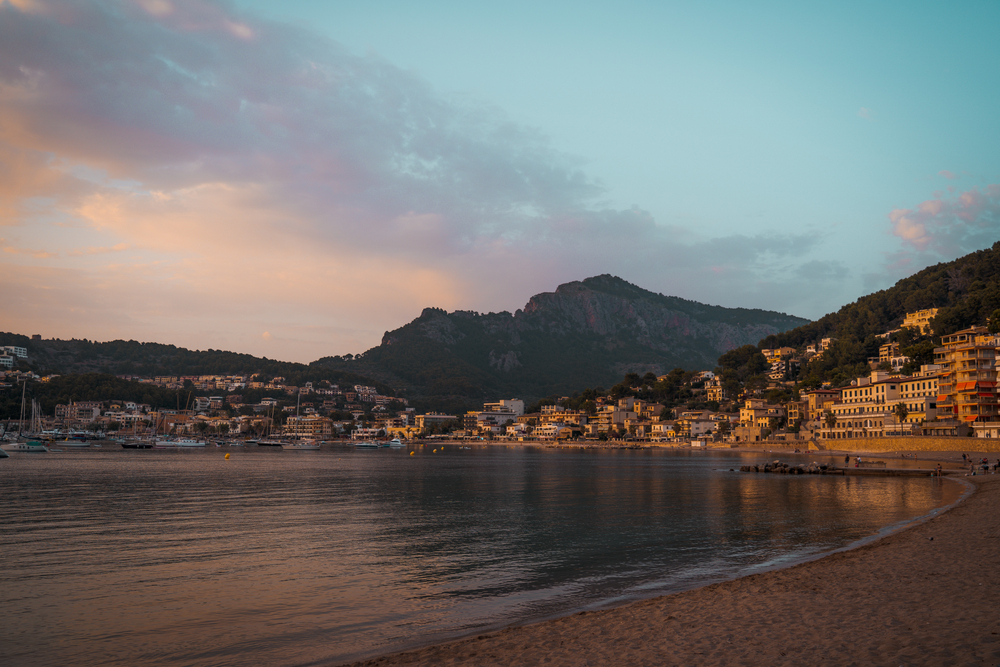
(584, 333)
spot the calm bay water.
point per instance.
(117, 557)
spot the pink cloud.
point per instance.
(947, 174)
(205, 141)
(949, 227)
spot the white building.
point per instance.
(514, 405)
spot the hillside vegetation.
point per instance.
(966, 292)
(586, 333)
(121, 357)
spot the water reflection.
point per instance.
(315, 557)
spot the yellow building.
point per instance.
(919, 397)
(967, 388)
(308, 427)
(920, 320)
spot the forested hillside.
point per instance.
(966, 292)
(120, 357)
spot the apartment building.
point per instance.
(514, 405)
(967, 386)
(15, 351)
(309, 426)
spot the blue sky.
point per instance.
(292, 179)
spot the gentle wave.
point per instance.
(162, 557)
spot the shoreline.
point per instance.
(958, 465)
(923, 593)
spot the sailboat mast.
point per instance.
(24, 388)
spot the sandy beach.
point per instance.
(927, 595)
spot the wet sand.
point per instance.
(927, 595)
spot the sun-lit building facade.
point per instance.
(967, 388)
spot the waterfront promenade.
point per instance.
(923, 596)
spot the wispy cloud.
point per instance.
(82, 252)
(37, 254)
(254, 168)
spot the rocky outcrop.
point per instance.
(585, 333)
(609, 308)
(505, 362)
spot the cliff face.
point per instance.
(586, 333)
(613, 309)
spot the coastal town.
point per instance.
(956, 396)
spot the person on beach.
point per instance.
(847, 460)
(938, 470)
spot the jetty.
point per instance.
(865, 468)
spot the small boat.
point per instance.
(76, 444)
(301, 445)
(137, 444)
(179, 443)
(29, 446)
(366, 445)
(270, 443)
(396, 443)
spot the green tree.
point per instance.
(994, 326)
(901, 412)
(831, 419)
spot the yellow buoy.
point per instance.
(227, 456)
(435, 451)
(411, 453)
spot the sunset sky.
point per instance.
(291, 179)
